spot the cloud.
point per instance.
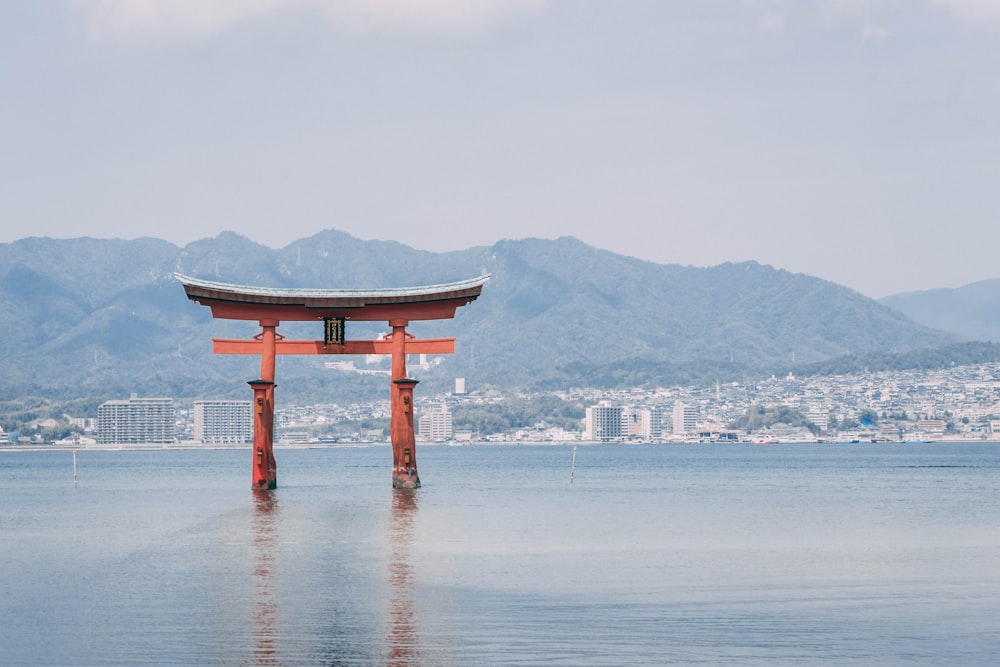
(169, 20)
(129, 20)
(773, 23)
(772, 14)
(976, 11)
(873, 33)
(850, 6)
(861, 12)
(461, 17)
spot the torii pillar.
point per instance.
(404, 450)
(264, 466)
(265, 475)
(398, 307)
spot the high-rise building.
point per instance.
(637, 423)
(660, 421)
(603, 422)
(435, 425)
(223, 422)
(685, 418)
(136, 421)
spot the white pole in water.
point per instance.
(572, 469)
(74, 468)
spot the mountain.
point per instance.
(971, 312)
(104, 318)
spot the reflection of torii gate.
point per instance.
(333, 307)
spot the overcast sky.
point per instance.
(853, 140)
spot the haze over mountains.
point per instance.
(102, 318)
(972, 312)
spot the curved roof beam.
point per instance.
(245, 302)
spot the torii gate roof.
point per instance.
(244, 302)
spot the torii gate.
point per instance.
(269, 306)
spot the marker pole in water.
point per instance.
(74, 468)
(572, 468)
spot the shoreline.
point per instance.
(191, 446)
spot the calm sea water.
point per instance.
(787, 554)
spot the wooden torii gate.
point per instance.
(398, 307)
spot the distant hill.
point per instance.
(971, 312)
(104, 318)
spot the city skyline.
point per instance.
(852, 141)
(957, 403)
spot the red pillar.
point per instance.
(398, 348)
(404, 452)
(264, 473)
(268, 337)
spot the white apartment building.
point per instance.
(136, 421)
(660, 421)
(685, 418)
(223, 422)
(603, 422)
(637, 423)
(819, 417)
(436, 425)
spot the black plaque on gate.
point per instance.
(333, 330)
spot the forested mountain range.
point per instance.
(102, 318)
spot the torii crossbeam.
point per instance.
(333, 307)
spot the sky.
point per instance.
(853, 140)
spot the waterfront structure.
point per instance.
(603, 423)
(820, 418)
(685, 418)
(932, 426)
(136, 421)
(660, 421)
(637, 423)
(436, 425)
(334, 308)
(223, 422)
(86, 424)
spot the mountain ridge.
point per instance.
(971, 312)
(108, 317)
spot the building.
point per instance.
(86, 424)
(136, 421)
(685, 418)
(821, 418)
(603, 422)
(435, 425)
(932, 426)
(637, 423)
(223, 422)
(661, 421)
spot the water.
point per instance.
(788, 554)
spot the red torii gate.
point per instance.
(269, 306)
